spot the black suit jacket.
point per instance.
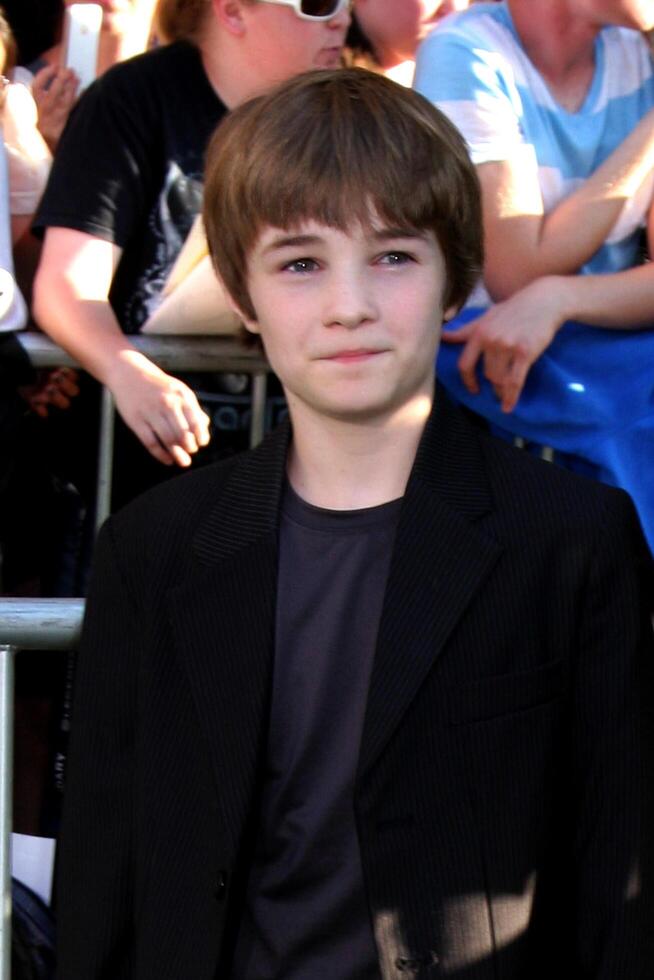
(502, 788)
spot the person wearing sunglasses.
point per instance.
(127, 184)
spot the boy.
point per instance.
(364, 701)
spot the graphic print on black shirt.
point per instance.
(169, 222)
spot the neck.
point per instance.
(348, 465)
(387, 56)
(560, 44)
(117, 47)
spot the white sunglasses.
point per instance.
(314, 9)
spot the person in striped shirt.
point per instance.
(556, 101)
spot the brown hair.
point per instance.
(179, 20)
(340, 147)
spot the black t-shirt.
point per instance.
(129, 168)
(306, 916)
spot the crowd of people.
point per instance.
(551, 345)
(545, 348)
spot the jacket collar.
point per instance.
(449, 462)
(248, 507)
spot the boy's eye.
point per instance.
(301, 265)
(395, 258)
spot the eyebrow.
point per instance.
(384, 234)
(378, 234)
(292, 241)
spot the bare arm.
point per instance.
(523, 243)
(71, 304)
(513, 334)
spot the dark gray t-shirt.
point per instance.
(306, 916)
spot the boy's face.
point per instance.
(350, 321)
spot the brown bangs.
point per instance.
(340, 147)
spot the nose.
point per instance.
(349, 302)
(342, 17)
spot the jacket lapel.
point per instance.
(440, 559)
(224, 621)
(224, 616)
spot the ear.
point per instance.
(252, 326)
(450, 312)
(229, 13)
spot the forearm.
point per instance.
(86, 329)
(71, 304)
(71, 298)
(523, 243)
(513, 334)
(619, 300)
(579, 224)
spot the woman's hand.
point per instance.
(509, 337)
(161, 410)
(54, 90)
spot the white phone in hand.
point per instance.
(82, 36)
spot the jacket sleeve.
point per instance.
(95, 881)
(613, 758)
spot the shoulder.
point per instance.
(197, 518)
(628, 63)
(576, 529)
(485, 25)
(538, 497)
(154, 66)
(474, 49)
(167, 516)
(144, 83)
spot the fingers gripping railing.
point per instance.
(26, 624)
(174, 354)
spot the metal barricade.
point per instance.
(55, 624)
(25, 624)
(173, 354)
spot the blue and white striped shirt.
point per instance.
(474, 68)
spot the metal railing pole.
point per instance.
(36, 624)
(258, 408)
(41, 624)
(6, 800)
(105, 459)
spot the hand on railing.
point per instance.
(161, 410)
